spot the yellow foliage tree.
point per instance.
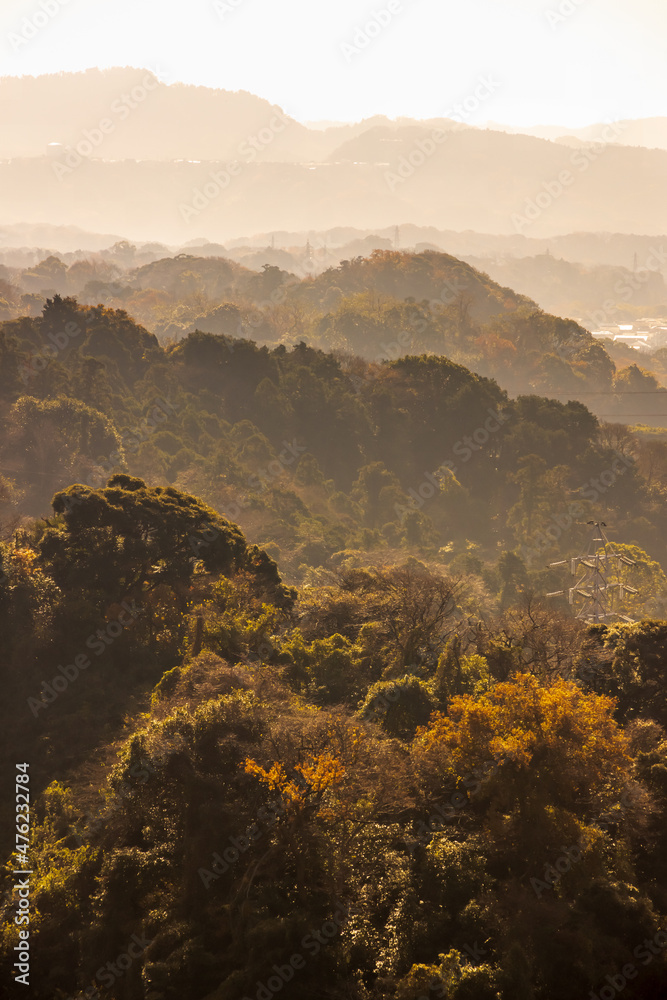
(301, 800)
(558, 756)
(322, 773)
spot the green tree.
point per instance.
(123, 537)
(55, 442)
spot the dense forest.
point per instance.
(299, 714)
(380, 307)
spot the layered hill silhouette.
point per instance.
(179, 162)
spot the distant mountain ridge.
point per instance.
(283, 247)
(651, 133)
(119, 150)
(174, 121)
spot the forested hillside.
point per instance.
(299, 715)
(316, 453)
(379, 307)
(384, 786)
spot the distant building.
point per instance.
(625, 333)
(638, 341)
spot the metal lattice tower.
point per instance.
(599, 582)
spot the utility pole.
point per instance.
(599, 582)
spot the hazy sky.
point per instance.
(570, 62)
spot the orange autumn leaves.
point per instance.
(323, 773)
(555, 737)
(559, 760)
